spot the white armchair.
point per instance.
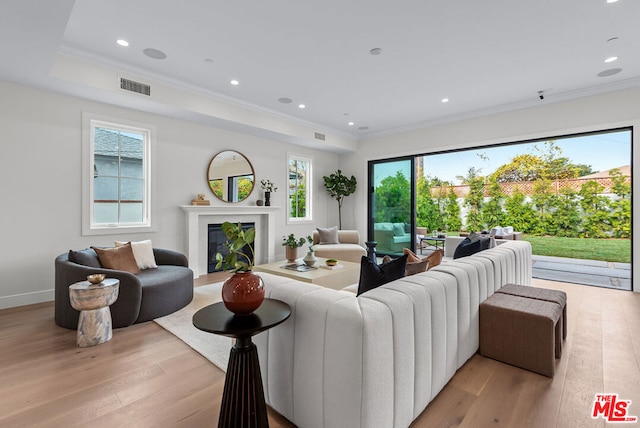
(348, 248)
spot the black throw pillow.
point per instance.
(467, 248)
(373, 276)
(86, 257)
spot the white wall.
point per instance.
(612, 110)
(40, 173)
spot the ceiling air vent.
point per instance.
(133, 86)
(319, 136)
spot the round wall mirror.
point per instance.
(230, 176)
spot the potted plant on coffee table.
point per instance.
(310, 258)
(291, 244)
(242, 292)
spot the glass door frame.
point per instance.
(370, 192)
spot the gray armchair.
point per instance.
(149, 294)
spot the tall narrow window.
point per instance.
(299, 187)
(118, 188)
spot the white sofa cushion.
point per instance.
(346, 252)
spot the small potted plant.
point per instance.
(268, 186)
(292, 243)
(242, 292)
(310, 258)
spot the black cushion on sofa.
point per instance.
(467, 248)
(373, 276)
(472, 245)
(86, 257)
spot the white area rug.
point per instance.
(213, 347)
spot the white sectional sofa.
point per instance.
(377, 360)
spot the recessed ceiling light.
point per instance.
(285, 100)
(208, 60)
(351, 123)
(445, 100)
(609, 72)
(154, 53)
(234, 82)
(375, 51)
(611, 59)
(363, 128)
(301, 106)
(122, 42)
(611, 1)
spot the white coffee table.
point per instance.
(337, 278)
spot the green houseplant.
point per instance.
(292, 244)
(310, 258)
(237, 239)
(338, 186)
(242, 292)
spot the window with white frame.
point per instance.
(300, 188)
(117, 178)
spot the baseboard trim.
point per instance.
(26, 299)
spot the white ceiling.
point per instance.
(484, 56)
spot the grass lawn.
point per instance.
(610, 250)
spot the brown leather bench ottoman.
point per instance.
(555, 296)
(521, 331)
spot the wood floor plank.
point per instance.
(473, 376)
(87, 366)
(576, 405)
(173, 393)
(448, 409)
(495, 406)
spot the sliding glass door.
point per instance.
(391, 204)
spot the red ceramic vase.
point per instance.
(243, 293)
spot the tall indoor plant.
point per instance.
(339, 186)
(242, 292)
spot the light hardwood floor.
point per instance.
(146, 377)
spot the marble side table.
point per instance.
(93, 300)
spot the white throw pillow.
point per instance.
(142, 252)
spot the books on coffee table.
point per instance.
(298, 268)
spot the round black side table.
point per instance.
(243, 403)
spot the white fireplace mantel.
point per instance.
(199, 217)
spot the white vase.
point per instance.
(310, 259)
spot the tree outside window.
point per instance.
(299, 187)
